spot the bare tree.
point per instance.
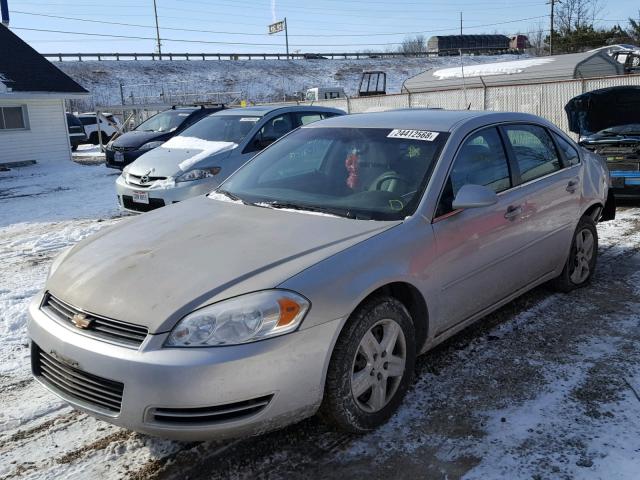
(536, 35)
(413, 45)
(576, 14)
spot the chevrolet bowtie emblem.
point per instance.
(80, 320)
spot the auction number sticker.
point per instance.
(249, 119)
(423, 135)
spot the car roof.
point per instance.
(262, 110)
(421, 119)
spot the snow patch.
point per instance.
(200, 148)
(223, 198)
(483, 70)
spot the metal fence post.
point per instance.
(484, 93)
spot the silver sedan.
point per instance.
(310, 280)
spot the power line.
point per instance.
(265, 34)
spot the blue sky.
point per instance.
(241, 25)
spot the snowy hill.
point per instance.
(258, 80)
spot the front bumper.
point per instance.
(625, 183)
(160, 197)
(290, 370)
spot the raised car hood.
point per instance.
(153, 269)
(137, 138)
(178, 155)
(609, 107)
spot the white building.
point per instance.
(33, 124)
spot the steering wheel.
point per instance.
(378, 182)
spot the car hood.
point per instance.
(135, 138)
(153, 269)
(180, 154)
(605, 108)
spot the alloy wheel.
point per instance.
(584, 250)
(378, 366)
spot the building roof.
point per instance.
(528, 70)
(22, 69)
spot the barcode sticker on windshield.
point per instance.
(424, 135)
(249, 119)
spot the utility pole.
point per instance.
(553, 4)
(155, 11)
(464, 82)
(286, 36)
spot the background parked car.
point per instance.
(200, 157)
(77, 134)
(152, 133)
(109, 126)
(608, 122)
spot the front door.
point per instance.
(478, 248)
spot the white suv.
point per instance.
(109, 125)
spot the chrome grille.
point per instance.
(210, 415)
(75, 384)
(141, 182)
(115, 331)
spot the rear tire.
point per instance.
(371, 367)
(581, 264)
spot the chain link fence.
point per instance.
(546, 99)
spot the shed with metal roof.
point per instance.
(528, 70)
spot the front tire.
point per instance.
(581, 264)
(371, 366)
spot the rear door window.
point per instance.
(481, 160)
(534, 151)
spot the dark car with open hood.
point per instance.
(608, 122)
(153, 132)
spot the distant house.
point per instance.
(33, 124)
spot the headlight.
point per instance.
(243, 319)
(125, 170)
(150, 145)
(109, 145)
(198, 174)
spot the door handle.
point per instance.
(572, 186)
(512, 212)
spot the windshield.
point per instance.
(631, 129)
(164, 122)
(221, 128)
(362, 173)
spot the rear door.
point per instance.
(551, 188)
(478, 249)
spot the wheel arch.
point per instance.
(413, 301)
(594, 210)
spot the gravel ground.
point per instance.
(547, 387)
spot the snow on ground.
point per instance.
(258, 80)
(88, 151)
(545, 388)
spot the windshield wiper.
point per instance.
(309, 208)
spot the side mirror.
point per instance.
(474, 196)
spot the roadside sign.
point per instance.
(276, 27)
